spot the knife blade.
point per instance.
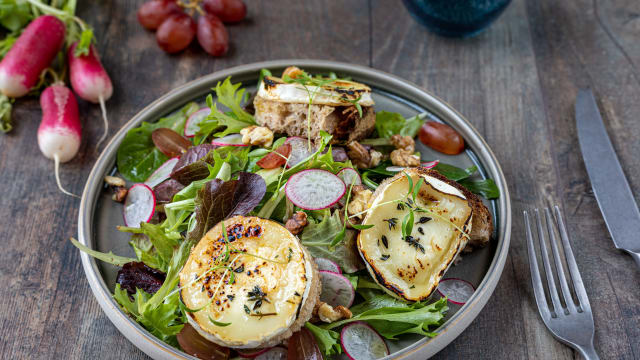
(609, 183)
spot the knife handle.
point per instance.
(635, 256)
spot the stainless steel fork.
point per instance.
(572, 323)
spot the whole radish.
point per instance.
(90, 81)
(60, 129)
(33, 52)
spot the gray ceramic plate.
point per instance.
(99, 216)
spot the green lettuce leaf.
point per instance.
(14, 14)
(106, 257)
(391, 319)
(390, 123)
(137, 156)
(486, 187)
(328, 340)
(317, 237)
(231, 96)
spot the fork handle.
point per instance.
(588, 352)
(635, 256)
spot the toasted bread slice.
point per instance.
(343, 122)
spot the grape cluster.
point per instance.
(175, 26)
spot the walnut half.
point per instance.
(297, 222)
(361, 157)
(329, 314)
(257, 136)
(404, 158)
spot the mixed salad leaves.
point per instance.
(210, 183)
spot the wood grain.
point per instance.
(516, 83)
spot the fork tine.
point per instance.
(553, 291)
(551, 224)
(538, 290)
(571, 262)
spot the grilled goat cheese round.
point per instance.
(337, 93)
(271, 294)
(411, 267)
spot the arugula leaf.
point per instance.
(137, 156)
(390, 123)
(14, 14)
(399, 318)
(327, 339)
(106, 257)
(219, 199)
(317, 238)
(486, 187)
(163, 244)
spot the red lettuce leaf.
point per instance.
(218, 200)
(137, 275)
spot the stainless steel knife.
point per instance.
(610, 186)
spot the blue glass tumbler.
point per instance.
(456, 18)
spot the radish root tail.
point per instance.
(56, 160)
(103, 109)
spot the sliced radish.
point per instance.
(349, 176)
(229, 140)
(327, 265)
(275, 353)
(139, 205)
(314, 189)
(336, 289)
(299, 150)
(457, 291)
(192, 125)
(430, 164)
(162, 173)
(362, 342)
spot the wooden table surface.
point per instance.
(515, 82)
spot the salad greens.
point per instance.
(210, 184)
(137, 156)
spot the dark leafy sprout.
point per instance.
(392, 222)
(414, 242)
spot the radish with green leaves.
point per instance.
(90, 81)
(33, 52)
(60, 129)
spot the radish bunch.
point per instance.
(175, 27)
(31, 58)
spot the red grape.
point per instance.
(229, 11)
(152, 13)
(194, 344)
(176, 32)
(303, 345)
(212, 35)
(441, 137)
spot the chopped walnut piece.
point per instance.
(360, 197)
(257, 135)
(119, 193)
(292, 72)
(297, 222)
(329, 314)
(403, 143)
(361, 157)
(114, 181)
(404, 158)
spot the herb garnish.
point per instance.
(385, 241)
(424, 219)
(392, 222)
(258, 296)
(239, 269)
(414, 242)
(246, 309)
(385, 257)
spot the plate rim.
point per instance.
(155, 348)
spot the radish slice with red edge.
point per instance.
(229, 140)
(457, 291)
(327, 265)
(139, 205)
(336, 289)
(314, 189)
(299, 150)
(395, 168)
(192, 125)
(362, 342)
(349, 176)
(430, 164)
(162, 173)
(275, 353)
